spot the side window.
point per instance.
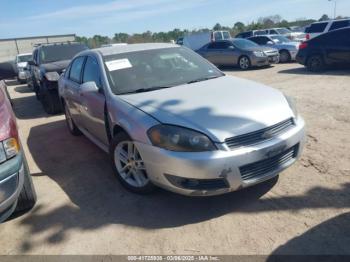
(339, 24)
(254, 39)
(35, 55)
(75, 69)
(273, 32)
(214, 45)
(92, 72)
(66, 73)
(218, 36)
(317, 28)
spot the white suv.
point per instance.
(319, 28)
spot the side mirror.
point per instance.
(270, 43)
(89, 87)
(31, 62)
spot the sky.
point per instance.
(21, 18)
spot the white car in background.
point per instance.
(318, 28)
(21, 63)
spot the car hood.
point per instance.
(57, 66)
(221, 108)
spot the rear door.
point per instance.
(337, 46)
(93, 118)
(72, 88)
(220, 53)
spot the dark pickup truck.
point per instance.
(49, 61)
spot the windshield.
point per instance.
(148, 70)
(244, 43)
(280, 39)
(23, 58)
(54, 53)
(283, 31)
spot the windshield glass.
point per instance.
(280, 39)
(244, 43)
(23, 58)
(283, 31)
(156, 69)
(54, 53)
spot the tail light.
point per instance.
(307, 36)
(303, 45)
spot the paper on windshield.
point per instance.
(118, 64)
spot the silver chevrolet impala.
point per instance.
(169, 118)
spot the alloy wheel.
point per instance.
(244, 63)
(130, 165)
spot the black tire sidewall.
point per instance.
(310, 64)
(287, 56)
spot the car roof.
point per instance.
(331, 21)
(114, 50)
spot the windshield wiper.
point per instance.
(202, 79)
(142, 90)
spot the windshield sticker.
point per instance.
(118, 64)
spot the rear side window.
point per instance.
(273, 32)
(260, 40)
(339, 24)
(244, 35)
(219, 45)
(316, 28)
(92, 72)
(75, 69)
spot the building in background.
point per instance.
(9, 48)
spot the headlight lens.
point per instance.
(292, 105)
(2, 153)
(259, 53)
(179, 139)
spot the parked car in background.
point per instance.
(7, 70)
(21, 63)
(197, 40)
(248, 34)
(318, 28)
(295, 36)
(49, 61)
(287, 49)
(332, 48)
(167, 117)
(17, 192)
(239, 52)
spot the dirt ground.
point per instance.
(82, 209)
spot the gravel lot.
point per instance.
(82, 209)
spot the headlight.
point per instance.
(52, 76)
(259, 53)
(179, 139)
(8, 149)
(292, 105)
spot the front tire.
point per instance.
(128, 165)
(315, 63)
(27, 197)
(244, 63)
(50, 99)
(285, 56)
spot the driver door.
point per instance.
(93, 118)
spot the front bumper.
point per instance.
(222, 165)
(11, 183)
(22, 75)
(259, 61)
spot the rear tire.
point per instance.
(133, 178)
(73, 129)
(315, 63)
(244, 63)
(27, 197)
(50, 99)
(285, 56)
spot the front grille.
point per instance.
(266, 166)
(260, 135)
(198, 184)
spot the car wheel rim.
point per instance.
(69, 119)
(244, 63)
(130, 165)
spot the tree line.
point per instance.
(238, 27)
